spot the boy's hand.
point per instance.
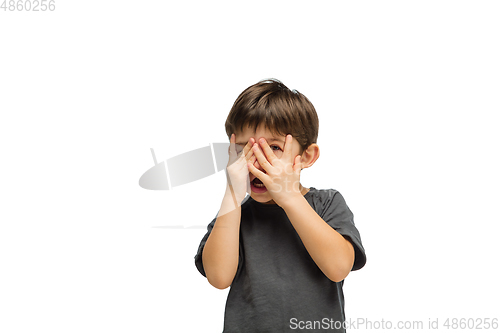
(237, 171)
(282, 177)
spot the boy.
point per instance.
(285, 249)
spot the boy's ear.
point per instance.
(309, 156)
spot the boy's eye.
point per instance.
(277, 151)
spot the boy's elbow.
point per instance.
(218, 282)
(338, 273)
(337, 276)
(217, 276)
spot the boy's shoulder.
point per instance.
(327, 192)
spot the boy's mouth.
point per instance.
(257, 186)
(257, 182)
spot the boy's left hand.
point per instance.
(282, 177)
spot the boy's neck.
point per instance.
(303, 191)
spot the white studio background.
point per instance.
(407, 97)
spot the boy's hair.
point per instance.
(282, 111)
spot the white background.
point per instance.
(407, 95)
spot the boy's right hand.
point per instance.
(237, 168)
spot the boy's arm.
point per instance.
(221, 252)
(333, 254)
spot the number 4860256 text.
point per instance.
(28, 5)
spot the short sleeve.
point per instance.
(198, 257)
(337, 214)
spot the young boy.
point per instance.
(285, 249)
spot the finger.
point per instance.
(250, 156)
(288, 148)
(267, 150)
(261, 158)
(233, 155)
(248, 146)
(257, 173)
(232, 144)
(252, 159)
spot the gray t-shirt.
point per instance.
(278, 287)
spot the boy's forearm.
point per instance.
(333, 254)
(221, 252)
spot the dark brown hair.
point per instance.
(282, 111)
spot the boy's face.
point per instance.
(277, 144)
